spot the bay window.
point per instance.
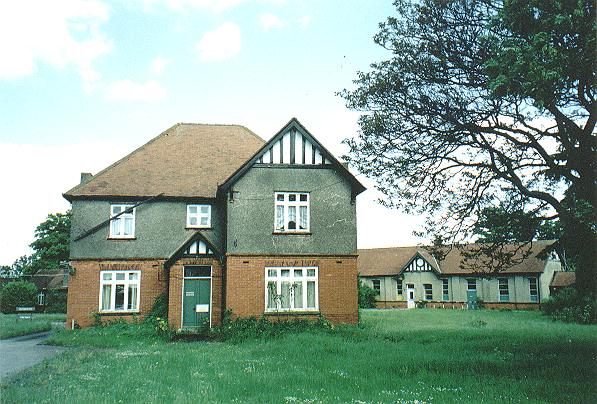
(119, 291)
(292, 212)
(291, 289)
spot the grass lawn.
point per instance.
(11, 327)
(394, 356)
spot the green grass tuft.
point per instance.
(11, 327)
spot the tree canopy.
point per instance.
(482, 100)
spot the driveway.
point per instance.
(23, 352)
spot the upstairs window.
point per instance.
(533, 290)
(292, 212)
(503, 288)
(124, 225)
(199, 216)
(428, 291)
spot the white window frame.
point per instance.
(430, 290)
(278, 279)
(500, 284)
(121, 220)
(377, 290)
(113, 282)
(445, 290)
(199, 215)
(287, 204)
(534, 297)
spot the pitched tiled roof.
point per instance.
(391, 261)
(187, 160)
(562, 279)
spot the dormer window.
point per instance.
(292, 212)
(199, 216)
(124, 225)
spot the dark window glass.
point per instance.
(303, 197)
(280, 197)
(292, 197)
(376, 285)
(428, 291)
(119, 301)
(195, 271)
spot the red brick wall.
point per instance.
(175, 290)
(84, 288)
(338, 298)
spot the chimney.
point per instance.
(85, 177)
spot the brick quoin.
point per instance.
(338, 300)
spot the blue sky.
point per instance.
(84, 82)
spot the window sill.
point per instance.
(198, 228)
(291, 233)
(119, 313)
(122, 238)
(292, 313)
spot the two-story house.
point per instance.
(218, 219)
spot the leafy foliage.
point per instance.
(52, 241)
(367, 296)
(481, 101)
(55, 301)
(570, 306)
(15, 294)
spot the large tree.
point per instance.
(479, 98)
(52, 241)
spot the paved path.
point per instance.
(23, 352)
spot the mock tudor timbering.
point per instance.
(216, 218)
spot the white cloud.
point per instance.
(304, 21)
(178, 5)
(269, 21)
(38, 177)
(60, 33)
(127, 90)
(158, 65)
(220, 44)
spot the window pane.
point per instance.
(119, 300)
(195, 271)
(132, 303)
(133, 276)
(303, 212)
(298, 295)
(204, 209)
(285, 273)
(193, 221)
(106, 293)
(119, 276)
(280, 197)
(298, 272)
(192, 209)
(279, 217)
(285, 295)
(107, 276)
(204, 221)
(115, 227)
(272, 272)
(311, 294)
(116, 209)
(271, 295)
(292, 197)
(310, 272)
(303, 197)
(128, 226)
(292, 218)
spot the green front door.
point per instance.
(196, 306)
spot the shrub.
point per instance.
(366, 296)
(159, 308)
(15, 294)
(241, 329)
(571, 307)
(55, 301)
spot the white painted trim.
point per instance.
(304, 280)
(113, 283)
(123, 206)
(297, 204)
(199, 215)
